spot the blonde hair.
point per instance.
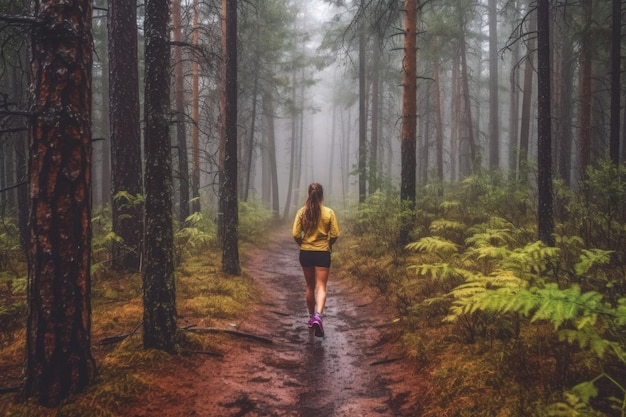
(313, 207)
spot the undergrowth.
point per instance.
(127, 374)
(502, 324)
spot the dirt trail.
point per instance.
(299, 374)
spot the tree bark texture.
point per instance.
(268, 111)
(616, 59)
(195, 117)
(409, 105)
(126, 172)
(228, 194)
(179, 103)
(494, 120)
(526, 104)
(585, 89)
(159, 292)
(409, 114)
(544, 146)
(59, 361)
(362, 161)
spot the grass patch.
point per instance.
(128, 374)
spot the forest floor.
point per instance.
(355, 370)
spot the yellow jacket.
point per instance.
(320, 238)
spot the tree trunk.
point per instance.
(494, 122)
(514, 113)
(106, 134)
(585, 89)
(179, 100)
(566, 82)
(544, 134)
(228, 192)
(526, 104)
(474, 162)
(268, 109)
(409, 115)
(59, 360)
(374, 167)
(362, 112)
(616, 59)
(439, 119)
(195, 116)
(159, 290)
(127, 212)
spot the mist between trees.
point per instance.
(254, 104)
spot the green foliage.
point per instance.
(597, 212)
(378, 221)
(255, 220)
(478, 274)
(196, 237)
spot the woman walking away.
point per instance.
(315, 229)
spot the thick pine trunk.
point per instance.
(125, 136)
(228, 192)
(59, 361)
(159, 291)
(544, 147)
(409, 114)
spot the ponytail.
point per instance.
(312, 207)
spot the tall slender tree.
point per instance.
(159, 291)
(179, 104)
(494, 121)
(195, 114)
(127, 210)
(59, 360)
(585, 102)
(409, 113)
(228, 173)
(544, 126)
(616, 58)
(362, 161)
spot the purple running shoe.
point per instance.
(317, 326)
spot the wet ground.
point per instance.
(352, 371)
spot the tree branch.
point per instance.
(22, 20)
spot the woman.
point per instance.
(315, 230)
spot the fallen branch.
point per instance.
(202, 352)
(8, 390)
(230, 332)
(119, 338)
(386, 361)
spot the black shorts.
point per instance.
(311, 258)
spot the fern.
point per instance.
(439, 246)
(592, 258)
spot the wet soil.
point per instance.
(353, 371)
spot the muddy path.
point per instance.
(352, 371)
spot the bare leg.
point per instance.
(309, 277)
(321, 279)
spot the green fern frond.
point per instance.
(447, 206)
(534, 258)
(441, 225)
(590, 258)
(587, 338)
(490, 237)
(433, 244)
(488, 252)
(440, 271)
